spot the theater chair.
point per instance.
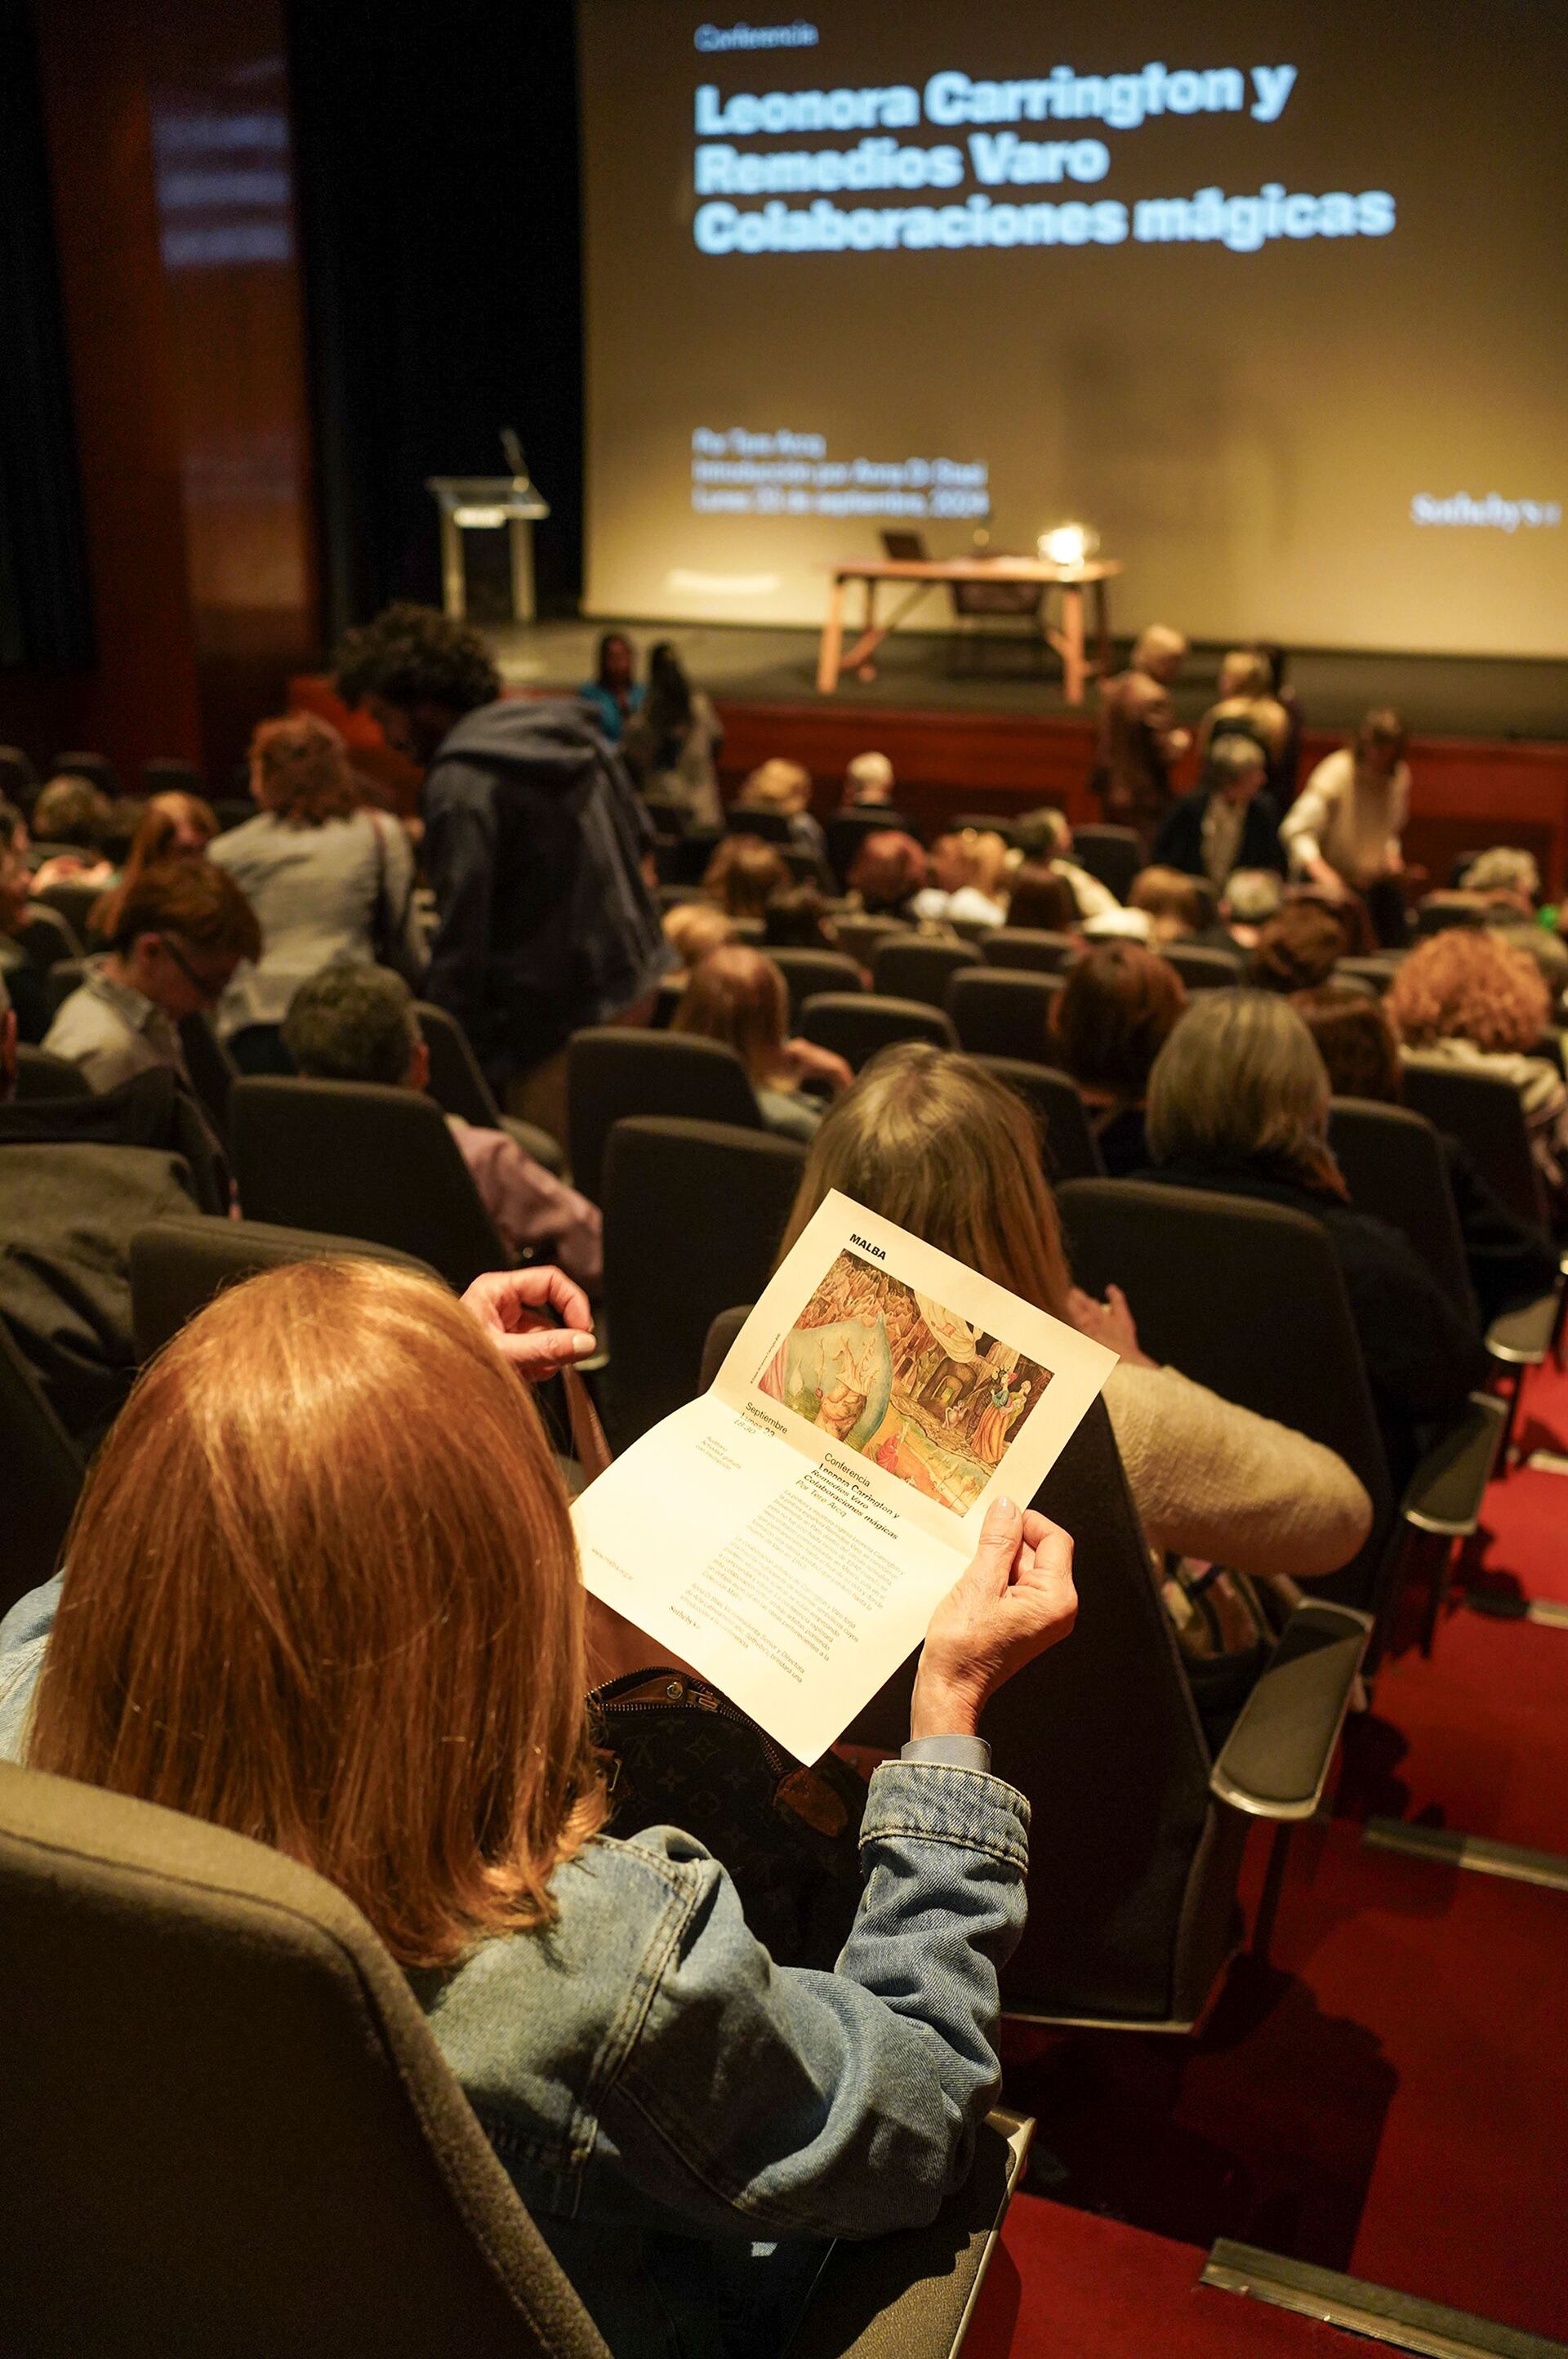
(911, 966)
(617, 1069)
(96, 768)
(693, 1215)
(212, 1069)
(46, 938)
(74, 903)
(807, 973)
(1003, 1011)
(65, 975)
(169, 775)
(861, 937)
(362, 1161)
(1277, 1337)
(855, 1024)
(233, 2129)
(1071, 1149)
(1030, 947)
(847, 830)
(1113, 854)
(1204, 970)
(42, 1480)
(1137, 1839)
(177, 1267)
(1378, 972)
(41, 1074)
(1483, 1113)
(459, 1086)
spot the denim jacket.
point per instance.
(687, 2122)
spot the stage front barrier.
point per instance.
(487, 504)
(924, 574)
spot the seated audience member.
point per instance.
(743, 875)
(1228, 821)
(1508, 878)
(933, 1141)
(968, 880)
(1238, 1103)
(1251, 896)
(886, 874)
(78, 1178)
(1343, 831)
(1110, 1021)
(1469, 997)
(1119, 925)
(173, 826)
(867, 783)
(799, 918)
(671, 745)
(72, 828)
(1296, 951)
(1509, 1262)
(692, 929)
(177, 941)
(785, 787)
(740, 997)
(614, 693)
(1177, 906)
(357, 1023)
(1138, 745)
(1248, 710)
(327, 878)
(30, 996)
(1045, 835)
(375, 1660)
(1041, 900)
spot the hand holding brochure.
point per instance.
(790, 1533)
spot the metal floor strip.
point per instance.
(1547, 1462)
(1376, 2312)
(1451, 1847)
(1548, 1610)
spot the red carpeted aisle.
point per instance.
(1388, 2096)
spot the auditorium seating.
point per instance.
(212, 1069)
(1113, 854)
(43, 1478)
(96, 768)
(74, 903)
(1204, 970)
(1002, 1012)
(459, 1086)
(178, 1265)
(66, 976)
(847, 831)
(913, 966)
(166, 773)
(1070, 1148)
(807, 973)
(45, 936)
(41, 1074)
(860, 938)
(616, 1070)
(855, 1024)
(1483, 1112)
(361, 1161)
(1031, 947)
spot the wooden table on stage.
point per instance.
(927, 573)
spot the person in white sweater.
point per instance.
(933, 1142)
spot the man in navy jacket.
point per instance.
(1227, 822)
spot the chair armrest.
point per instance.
(911, 2296)
(1522, 1337)
(1274, 1763)
(1444, 1492)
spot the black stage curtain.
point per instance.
(436, 157)
(46, 603)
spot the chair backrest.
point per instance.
(1248, 1298)
(861, 937)
(1378, 972)
(1484, 1112)
(857, 1023)
(42, 1481)
(1031, 947)
(983, 823)
(1003, 1011)
(19, 780)
(65, 975)
(41, 1074)
(263, 2147)
(1114, 854)
(96, 768)
(1392, 1160)
(772, 826)
(233, 810)
(168, 774)
(1438, 911)
(693, 1215)
(1071, 1149)
(47, 938)
(806, 973)
(1204, 970)
(178, 1265)
(212, 1069)
(456, 1077)
(358, 1160)
(73, 903)
(615, 1070)
(910, 966)
(847, 830)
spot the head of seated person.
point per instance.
(1235, 770)
(72, 810)
(739, 997)
(799, 918)
(776, 785)
(355, 1022)
(1467, 984)
(179, 936)
(887, 871)
(1044, 835)
(299, 771)
(867, 783)
(1175, 904)
(173, 826)
(1358, 1045)
(1039, 899)
(1240, 1088)
(742, 873)
(1112, 1016)
(1251, 896)
(693, 929)
(1296, 951)
(1505, 876)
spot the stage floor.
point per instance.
(1440, 696)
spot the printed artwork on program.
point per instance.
(898, 1377)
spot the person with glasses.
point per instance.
(178, 937)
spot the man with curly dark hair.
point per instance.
(534, 843)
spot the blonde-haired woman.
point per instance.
(1238, 1102)
(785, 789)
(358, 1637)
(968, 880)
(1479, 1002)
(739, 997)
(327, 878)
(933, 1142)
